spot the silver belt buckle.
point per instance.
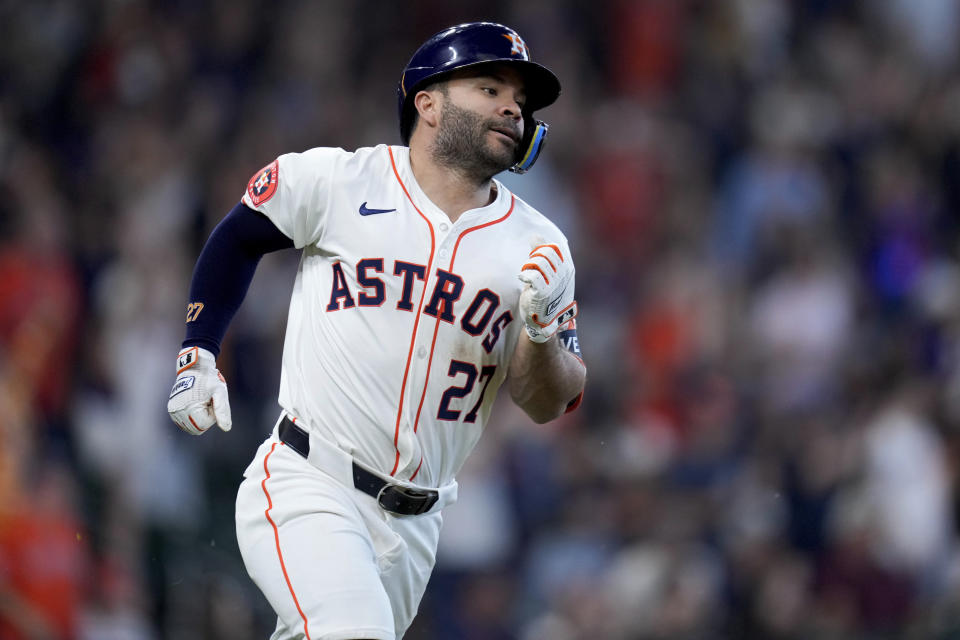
(405, 492)
(380, 493)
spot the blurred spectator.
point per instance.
(907, 483)
(44, 558)
(800, 324)
(39, 287)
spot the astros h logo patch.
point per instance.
(519, 46)
(263, 184)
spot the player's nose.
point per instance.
(511, 109)
(512, 119)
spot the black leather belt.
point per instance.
(395, 498)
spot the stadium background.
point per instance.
(762, 197)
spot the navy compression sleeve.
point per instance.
(224, 271)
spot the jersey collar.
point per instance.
(495, 209)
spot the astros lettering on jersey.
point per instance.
(402, 324)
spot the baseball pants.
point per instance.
(331, 562)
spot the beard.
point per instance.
(462, 144)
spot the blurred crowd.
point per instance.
(762, 198)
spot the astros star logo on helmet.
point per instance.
(519, 46)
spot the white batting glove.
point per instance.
(546, 302)
(199, 399)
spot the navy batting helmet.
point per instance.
(469, 45)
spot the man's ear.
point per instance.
(427, 104)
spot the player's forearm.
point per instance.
(224, 271)
(545, 378)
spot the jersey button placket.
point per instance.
(444, 253)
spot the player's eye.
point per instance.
(490, 91)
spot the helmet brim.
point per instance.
(541, 86)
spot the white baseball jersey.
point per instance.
(402, 324)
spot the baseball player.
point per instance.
(423, 286)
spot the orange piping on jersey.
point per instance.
(276, 537)
(416, 320)
(436, 327)
(481, 226)
(194, 423)
(418, 469)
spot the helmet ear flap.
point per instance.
(534, 135)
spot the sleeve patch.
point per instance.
(263, 184)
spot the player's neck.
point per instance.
(453, 192)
